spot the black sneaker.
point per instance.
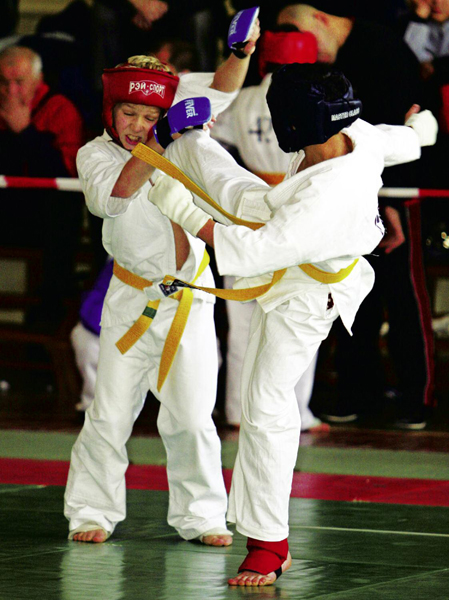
(411, 423)
(340, 414)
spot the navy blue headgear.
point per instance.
(309, 104)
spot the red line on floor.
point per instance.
(317, 486)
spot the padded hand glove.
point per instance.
(425, 126)
(191, 113)
(176, 203)
(240, 30)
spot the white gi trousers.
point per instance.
(282, 344)
(239, 321)
(96, 484)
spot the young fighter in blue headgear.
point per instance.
(320, 221)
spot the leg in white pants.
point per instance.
(282, 345)
(239, 320)
(96, 484)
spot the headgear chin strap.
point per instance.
(286, 47)
(136, 86)
(301, 111)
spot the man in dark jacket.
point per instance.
(385, 76)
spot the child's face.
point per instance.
(439, 10)
(133, 123)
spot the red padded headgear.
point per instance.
(136, 86)
(286, 47)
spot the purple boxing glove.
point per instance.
(240, 29)
(188, 114)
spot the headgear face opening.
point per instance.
(309, 104)
(126, 83)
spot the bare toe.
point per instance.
(95, 535)
(249, 578)
(217, 540)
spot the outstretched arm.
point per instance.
(241, 251)
(206, 233)
(230, 76)
(134, 174)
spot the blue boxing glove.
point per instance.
(240, 30)
(191, 113)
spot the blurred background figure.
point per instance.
(426, 31)
(385, 76)
(139, 24)
(85, 336)
(9, 17)
(40, 134)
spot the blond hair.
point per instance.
(143, 61)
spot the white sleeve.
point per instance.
(293, 236)
(210, 166)
(224, 128)
(243, 252)
(400, 144)
(320, 222)
(98, 171)
(192, 85)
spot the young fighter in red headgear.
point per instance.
(166, 346)
(319, 222)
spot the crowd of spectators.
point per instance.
(395, 53)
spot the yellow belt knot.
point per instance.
(134, 333)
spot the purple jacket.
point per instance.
(92, 304)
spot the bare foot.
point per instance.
(250, 578)
(95, 535)
(217, 540)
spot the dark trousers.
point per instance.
(400, 295)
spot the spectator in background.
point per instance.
(385, 76)
(9, 17)
(180, 56)
(85, 336)
(64, 42)
(426, 32)
(40, 134)
(127, 27)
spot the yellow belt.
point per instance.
(185, 298)
(160, 162)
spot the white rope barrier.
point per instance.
(71, 184)
(66, 184)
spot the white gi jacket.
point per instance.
(135, 233)
(326, 215)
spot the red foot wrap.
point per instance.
(264, 557)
